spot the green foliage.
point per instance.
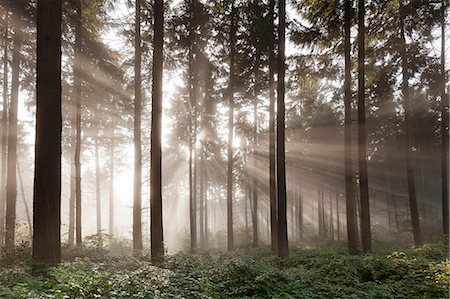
(327, 272)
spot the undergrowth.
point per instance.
(320, 272)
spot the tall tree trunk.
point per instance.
(77, 88)
(71, 233)
(362, 147)
(111, 184)
(444, 130)
(283, 251)
(205, 171)
(352, 230)
(97, 193)
(137, 200)
(255, 145)
(4, 138)
(192, 188)
(338, 222)
(230, 241)
(409, 136)
(11, 180)
(47, 175)
(156, 227)
(272, 177)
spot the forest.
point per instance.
(224, 149)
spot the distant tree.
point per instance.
(47, 182)
(156, 228)
(281, 167)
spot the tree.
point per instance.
(77, 88)
(4, 138)
(281, 166)
(11, 181)
(230, 240)
(156, 228)
(272, 177)
(137, 222)
(408, 143)
(444, 129)
(352, 230)
(362, 151)
(47, 181)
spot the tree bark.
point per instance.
(352, 230)
(156, 227)
(408, 136)
(47, 179)
(137, 200)
(362, 143)
(283, 251)
(230, 241)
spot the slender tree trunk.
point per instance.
(255, 145)
(230, 240)
(408, 137)
(156, 227)
(352, 229)
(201, 199)
(331, 216)
(11, 180)
(137, 201)
(205, 171)
(97, 193)
(71, 233)
(444, 130)
(111, 184)
(283, 251)
(362, 147)
(77, 88)
(4, 138)
(25, 204)
(338, 222)
(272, 177)
(47, 179)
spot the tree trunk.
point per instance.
(156, 227)
(255, 145)
(362, 147)
(97, 193)
(4, 138)
(444, 130)
(230, 241)
(408, 137)
(137, 200)
(71, 233)
(201, 199)
(338, 222)
(47, 175)
(205, 171)
(192, 185)
(272, 177)
(283, 251)
(11, 180)
(111, 184)
(77, 88)
(352, 229)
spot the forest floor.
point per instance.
(325, 271)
